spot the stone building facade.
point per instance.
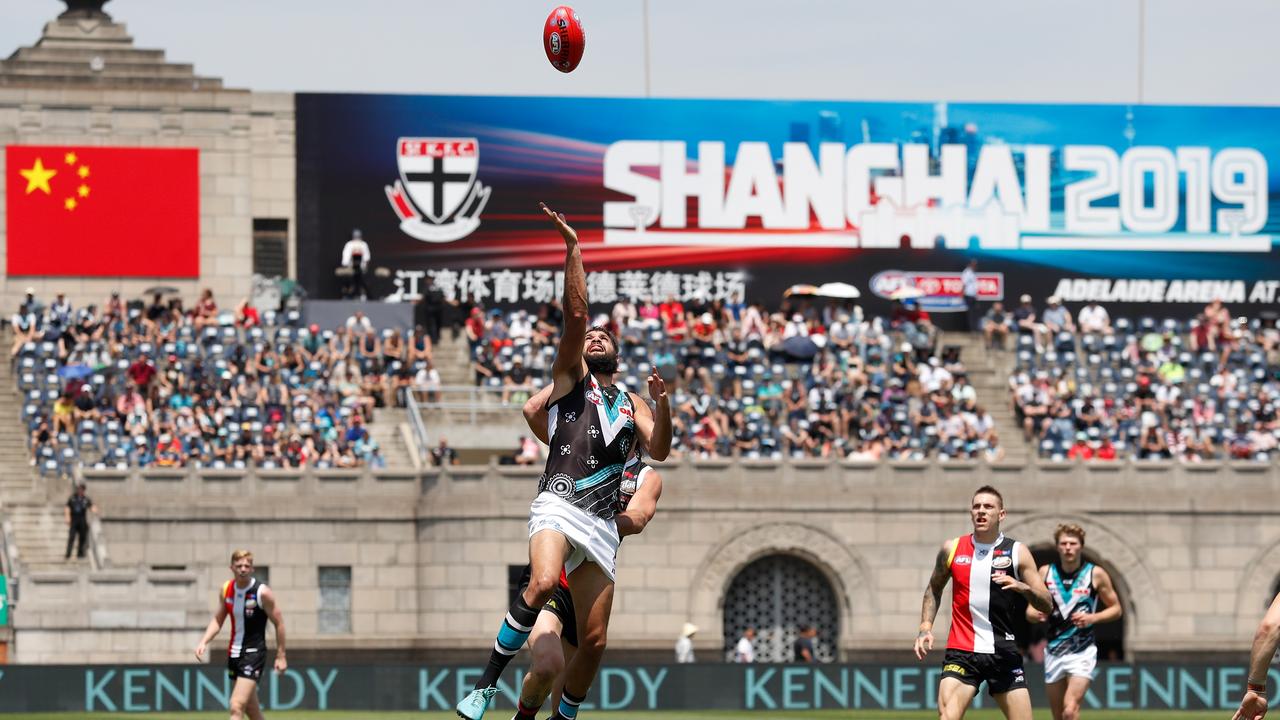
(1193, 549)
(85, 83)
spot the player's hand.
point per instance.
(281, 664)
(1252, 707)
(200, 650)
(566, 232)
(1006, 582)
(924, 643)
(1082, 619)
(657, 386)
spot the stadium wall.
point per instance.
(246, 145)
(1192, 547)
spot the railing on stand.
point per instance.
(467, 402)
(419, 426)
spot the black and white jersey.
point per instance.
(592, 431)
(248, 619)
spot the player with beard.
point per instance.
(987, 569)
(554, 640)
(593, 426)
(1077, 588)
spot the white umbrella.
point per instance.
(907, 292)
(838, 290)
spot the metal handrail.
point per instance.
(478, 398)
(418, 425)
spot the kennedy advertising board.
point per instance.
(1158, 208)
(105, 689)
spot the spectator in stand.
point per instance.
(443, 454)
(1081, 449)
(528, 452)
(995, 325)
(475, 328)
(516, 384)
(484, 367)
(1024, 319)
(360, 325)
(59, 312)
(1057, 319)
(1094, 319)
(355, 257)
(25, 325)
(969, 285)
(206, 310)
(247, 315)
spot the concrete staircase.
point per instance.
(33, 504)
(988, 372)
(388, 429)
(477, 432)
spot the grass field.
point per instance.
(672, 715)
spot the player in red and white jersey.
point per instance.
(986, 569)
(249, 604)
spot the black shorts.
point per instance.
(249, 665)
(1002, 670)
(560, 605)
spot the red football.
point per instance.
(564, 39)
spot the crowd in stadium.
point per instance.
(161, 385)
(155, 384)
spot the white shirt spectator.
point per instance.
(933, 376)
(521, 328)
(359, 321)
(796, 327)
(969, 280)
(427, 380)
(1093, 318)
(744, 651)
(355, 246)
(684, 650)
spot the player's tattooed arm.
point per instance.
(938, 580)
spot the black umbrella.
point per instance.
(800, 347)
(161, 290)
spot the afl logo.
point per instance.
(560, 485)
(963, 559)
(1003, 561)
(554, 40)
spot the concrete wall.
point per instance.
(1193, 547)
(246, 143)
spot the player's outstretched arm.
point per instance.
(660, 442)
(643, 506)
(569, 366)
(938, 580)
(274, 612)
(210, 632)
(535, 413)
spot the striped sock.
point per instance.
(515, 629)
(569, 706)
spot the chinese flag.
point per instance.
(100, 211)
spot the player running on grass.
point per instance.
(1076, 587)
(987, 569)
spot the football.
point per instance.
(564, 39)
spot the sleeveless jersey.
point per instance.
(633, 476)
(1071, 593)
(982, 612)
(592, 431)
(248, 619)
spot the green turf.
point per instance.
(670, 715)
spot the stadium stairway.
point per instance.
(389, 429)
(32, 504)
(490, 429)
(988, 372)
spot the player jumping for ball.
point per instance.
(593, 426)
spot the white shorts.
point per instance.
(1080, 664)
(591, 538)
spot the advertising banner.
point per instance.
(1144, 208)
(177, 688)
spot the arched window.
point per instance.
(778, 595)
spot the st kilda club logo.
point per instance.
(437, 196)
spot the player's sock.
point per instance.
(524, 713)
(515, 629)
(568, 706)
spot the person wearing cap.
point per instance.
(684, 646)
(516, 380)
(1057, 318)
(1080, 450)
(355, 257)
(995, 325)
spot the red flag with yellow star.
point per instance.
(103, 211)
